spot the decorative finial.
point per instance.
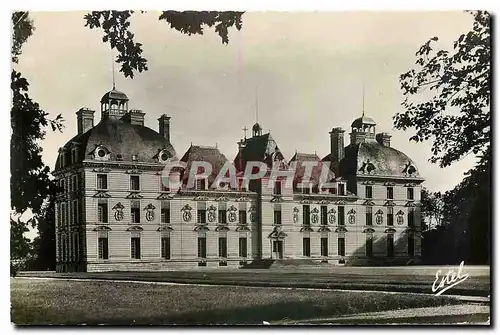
(256, 104)
(113, 67)
(245, 131)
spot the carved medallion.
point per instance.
(232, 217)
(186, 216)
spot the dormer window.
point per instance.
(134, 158)
(341, 188)
(163, 156)
(200, 184)
(101, 153)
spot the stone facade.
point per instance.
(113, 212)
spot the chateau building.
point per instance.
(114, 212)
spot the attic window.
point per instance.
(164, 156)
(101, 153)
(119, 157)
(134, 158)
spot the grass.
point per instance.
(410, 279)
(44, 301)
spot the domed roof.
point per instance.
(119, 137)
(256, 127)
(363, 120)
(372, 158)
(113, 95)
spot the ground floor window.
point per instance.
(202, 247)
(324, 246)
(243, 252)
(135, 248)
(341, 246)
(369, 245)
(103, 252)
(165, 247)
(390, 245)
(306, 246)
(411, 245)
(222, 246)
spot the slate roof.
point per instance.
(387, 161)
(316, 171)
(258, 148)
(211, 155)
(120, 137)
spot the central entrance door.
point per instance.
(277, 251)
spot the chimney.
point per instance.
(84, 119)
(384, 139)
(164, 126)
(136, 116)
(336, 145)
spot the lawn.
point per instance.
(59, 301)
(393, 279)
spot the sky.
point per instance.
(304, 70)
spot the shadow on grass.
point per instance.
(276, 313)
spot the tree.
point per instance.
(431, 207)
(116, 27)
(457, 116)
(457, 120)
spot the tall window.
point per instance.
(103, 250)
(341, 214)
(223, 247)
(102, 182)
(411, 245)
(411, 218)
(135, 248)
(277, 214)
(242, 217)
(222, 216)
(390, 245)
(135, 211)
(202, 216)
(62, 186)
(341, 246)
(390, 192)
(341, 189)
(165, 247)
(306, 214)
(63, 214)
(369, 216)
(102, 211)
(243, 252)
(390, 216)
(277, 187)
(324, 246)
(200, 184)
(202, 247)
(369, 245)
(165, 212)
(306, 246)
(409, 193)
(368, 192)
(324, 215)
(75, 212)
(134, 183)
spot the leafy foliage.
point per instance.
(457, 117)
(116, 27)
(22, 29)
(29, 182)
